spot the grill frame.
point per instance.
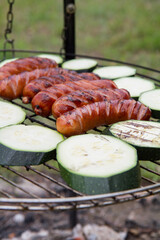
(70, 199)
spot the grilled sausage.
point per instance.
(82, 119)
(12, 87)
(25, 64)
(31, 89)
(79, 98)
(43, 101)
(89, 76)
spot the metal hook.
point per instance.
(70, 9)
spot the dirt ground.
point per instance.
(138, 220)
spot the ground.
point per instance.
(138, 220)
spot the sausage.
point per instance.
(12, 87)
(84, 118)
(43, 101)
(25, 64)
(89, 76)
(80, 98)
(31, 89)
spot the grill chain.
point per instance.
(8, 30)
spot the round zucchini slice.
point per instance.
(135, 85)
(23, 145)
(97, 164)
(143, 135)
(80, 65)
(114, 72)
(7, 61)
(152, 100)
(55, 57)
(10, 114)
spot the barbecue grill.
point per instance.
(57, 195)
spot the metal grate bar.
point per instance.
(150, 170)
(18, 187)
(77, 200)
(54, 180)
(34, 182)
(145, 76)
(51, 167)
(148, 180)
(6, 194)
(38, 121)
(158, 163)
(155, 188)
(22, 105)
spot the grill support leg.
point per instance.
(73, 218)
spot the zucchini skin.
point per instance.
(80, 70)
(148, 153)
(144, 153)
(100, 185)
(11, 157)
(155, 114)
(86, 69)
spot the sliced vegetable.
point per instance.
(55, 57)
(143, 135)
(96, 164)
(10, 114)
(23, 145)
(7, 61)
(135, 85)
(80, 65)
(114, 72)
(152, 100)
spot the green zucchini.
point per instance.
(80, 65)
(22, 145)
(143, 135)
(97, 164)
(10, 114)
(55, 57)
(135, 85)
(114, 72)
(152, 100)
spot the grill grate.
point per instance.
(40, 188)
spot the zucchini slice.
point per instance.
(23, 145)
(152, 100)
(135, 85)
(10, 114)
(143, 135)
(114, 72)
(55, 57)
(7, 61)
(80, 65)
(97, 164)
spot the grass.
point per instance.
(124, 30)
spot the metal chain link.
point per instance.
(8, 29)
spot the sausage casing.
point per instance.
(89, 76)
(43, 101)
(37, 85)
(79, 98)
(25, 64)
(96, 114)
(12, 87)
